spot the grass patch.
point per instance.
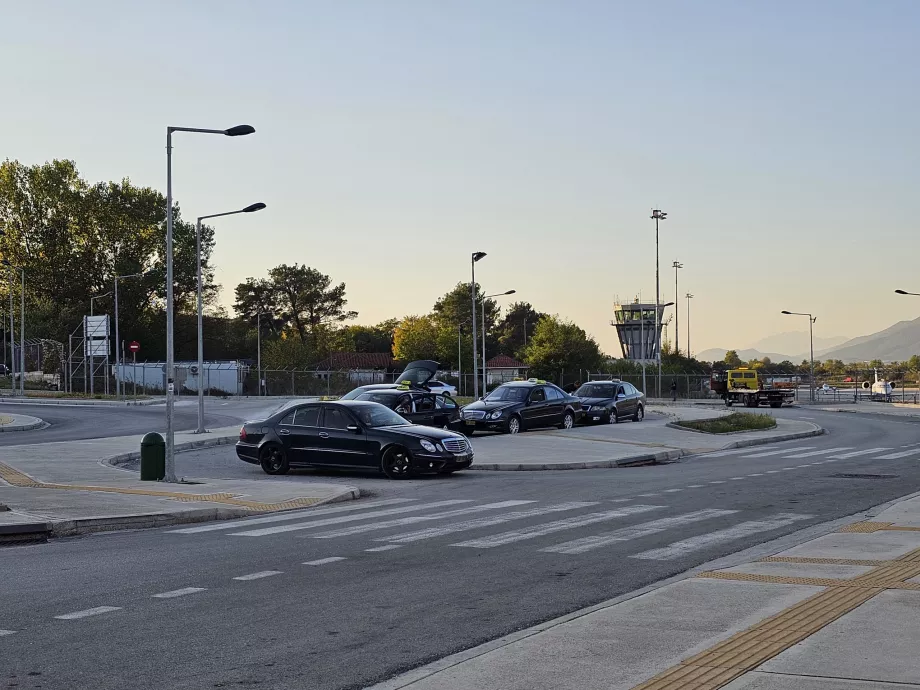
(737, 421)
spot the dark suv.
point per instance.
(519, 405)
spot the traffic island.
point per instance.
(737, 422)
(20, 422)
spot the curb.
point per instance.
(37, 424)
(663, 457)
(74, 402)
(124, 458)
(791, 436)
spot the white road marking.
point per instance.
(88, 612)
(826, 451)
(178, 592)
(672, 491)
(324, 561)
(911, 445)
(285, 517)
(399, 522)
(786, 469)
(718, 481)
(723, 453)
(388, 547)
(535, 531)
(807, 464)
(744, 529)
(258, 576)
(347, 518)
(647, 495)
(857, 453)
(620, 500)
(479, 523)
(756, 474)
(778, 452)
(694, 486)
(772, 471)
(902, 454)
(3, 633)
(736, 479)
(635, 532)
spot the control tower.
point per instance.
(635, 324)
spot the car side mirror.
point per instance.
(480, 397)
(353, 428)
(621, 396)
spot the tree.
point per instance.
(454, 311)
(510, 330)
(377, 338)
(255, 297)
(560, 348)
(732, 360)
(415, 338)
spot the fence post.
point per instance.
(292, 383)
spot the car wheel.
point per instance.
(273, 460)
(396, 463)
(640, 414)
(612, 417)
(514, 425)
(568, 420)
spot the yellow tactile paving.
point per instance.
(14, 477)
(717, 666)
(865, 527)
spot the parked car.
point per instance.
(417, 374)
(519, 405)
(436, 386)
(418, 407)
(610, 401)
(355, 434)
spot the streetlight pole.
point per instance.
(118, 387)
(259, 350)
(239, 130)
(249, 209)
(12, 338)
(499, 294)
(658, 215)
(811, 340)
(689, 297)
(476, 256)
(677, 265)
(22, 327)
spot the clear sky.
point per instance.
(781, 137)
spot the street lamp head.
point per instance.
(658, 214)
(902, 292)
(478, 255)
(254, 207)
(668, 304)
(510, 292)
(785, 312)
(239, 130)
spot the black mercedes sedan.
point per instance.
(418, 407)
(519, 405)
(610, 401)
(351, 435)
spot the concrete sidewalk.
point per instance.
(623, 444)
(840, 611)
(70, 488)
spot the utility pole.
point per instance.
(689, 297)
(476, 256)
(677, 265)
(658, 215)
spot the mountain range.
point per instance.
(896, 343)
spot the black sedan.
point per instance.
(610, 401)
(351, 435)
(427, 409)
(519, 405)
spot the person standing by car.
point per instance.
(674, 391)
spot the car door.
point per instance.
(632, 398)
(298, 433)
(424, 409)
(405, 408)
(341, 440)
(555, 405)
(533, 414)
(447, 412)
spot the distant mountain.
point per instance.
(716, 354)
(898, 342)
(795, 341)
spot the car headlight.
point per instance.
(496, 414)
(429, 446)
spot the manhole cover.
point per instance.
(844, 475)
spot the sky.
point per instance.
(396, 137)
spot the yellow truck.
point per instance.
(748, 387)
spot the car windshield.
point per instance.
(382, 398)
(594, 390)
(378, 415)
(351, 395)
(508, 393)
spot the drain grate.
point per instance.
(846, 475)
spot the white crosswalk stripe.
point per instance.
(635, 532)
(347, 518)
(857, 453)
(534, 531)
(813, 453)
(744, 529)
(777, 452)
(287, 517)
(7, 632)
(479, 523)
(723, 453)
(897, 456)
(399, 522)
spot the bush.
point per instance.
(738, 421)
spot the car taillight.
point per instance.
(243, 434)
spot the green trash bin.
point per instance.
(153, 457)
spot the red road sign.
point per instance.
(134, 346)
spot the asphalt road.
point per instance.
(366, 593)
(75, 422)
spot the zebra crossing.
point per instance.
(550, 527)
(823, 454)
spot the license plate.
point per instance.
(597, 419)
(470, 422)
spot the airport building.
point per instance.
(635, 324)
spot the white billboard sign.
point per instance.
(96, 326)
(96, 348)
